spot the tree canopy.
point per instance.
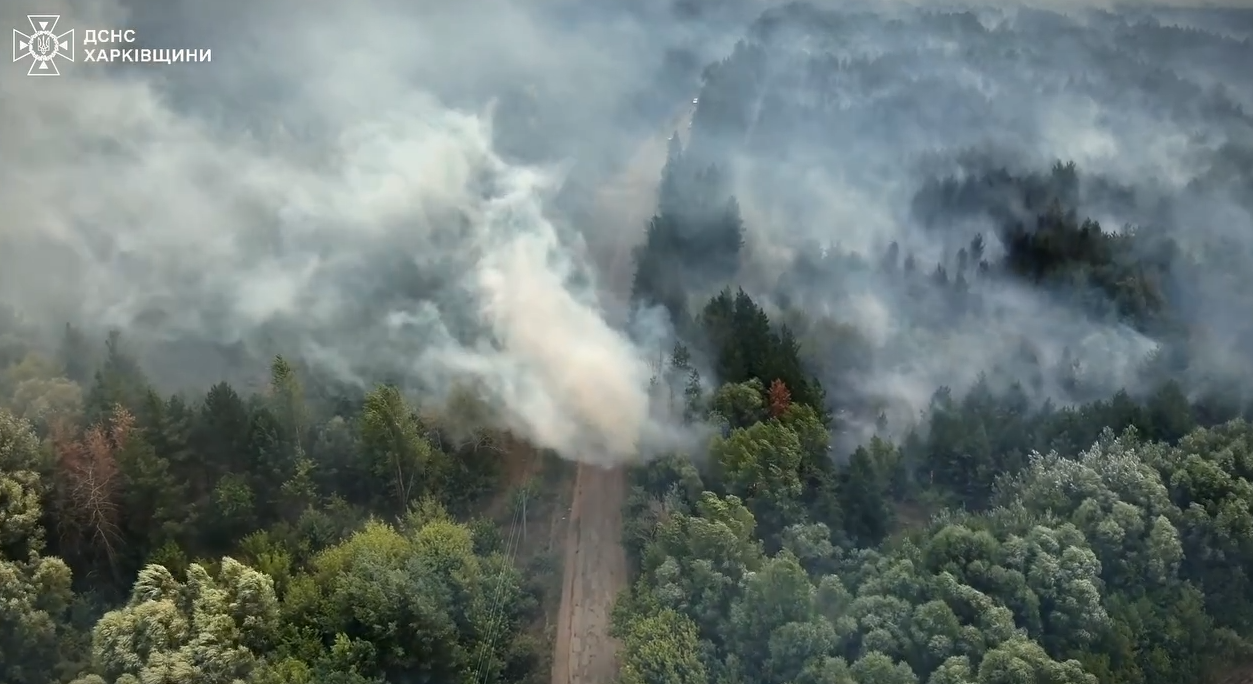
(832, 518)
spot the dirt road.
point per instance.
(595, 571)
(595, 564)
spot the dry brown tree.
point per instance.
(87, 485)
(780, 398)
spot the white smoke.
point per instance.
(128, 208)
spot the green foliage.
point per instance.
(354, 538)
(206, 629)
(320, 593)
(746, 346)
(1097, 567)
(35, 593)
(400, 457)
(662, 649)
(422, 600)
(693, 241)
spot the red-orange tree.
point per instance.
(778, 398)
(87, 487)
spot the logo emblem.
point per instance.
(43, 45)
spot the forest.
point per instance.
(1044, 510)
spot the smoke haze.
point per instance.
(329, 184)
(389, 191)
(853, 135)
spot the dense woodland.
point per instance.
(1038, 527)
(266, 538)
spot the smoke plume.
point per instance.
(330, 187)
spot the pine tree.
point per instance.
(779, 398)
(867, 513)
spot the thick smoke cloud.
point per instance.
(448, 193)
(331, 186)
(833, 121)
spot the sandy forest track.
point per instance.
(595, 571)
